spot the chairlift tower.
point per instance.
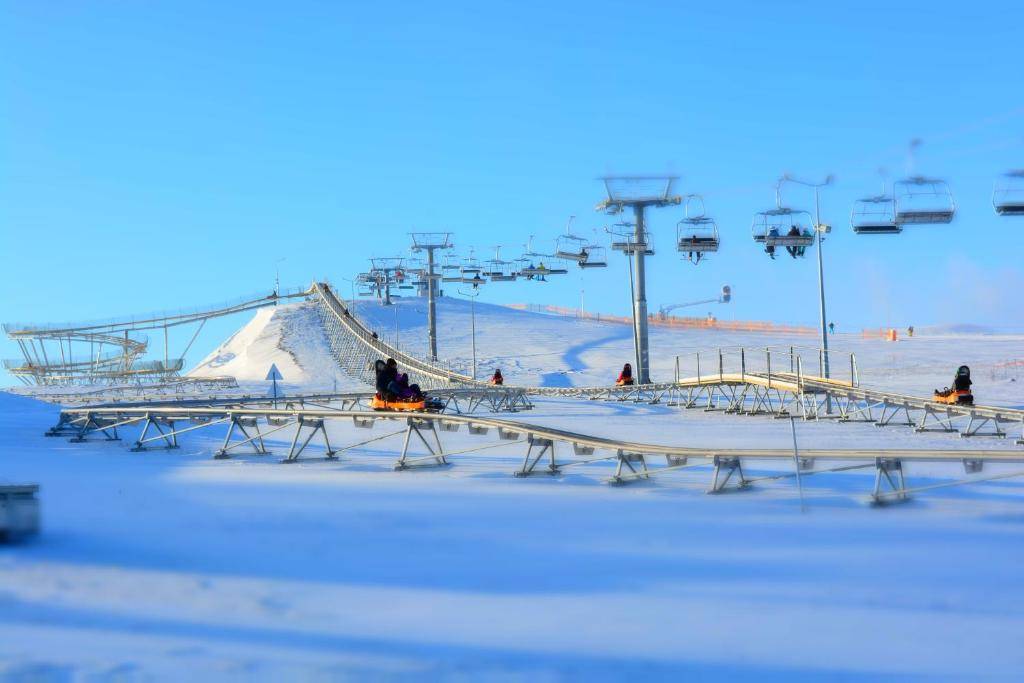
(383, 274)
(638, 193)
(430, 242)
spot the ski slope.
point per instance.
(168, 565)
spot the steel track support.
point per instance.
(889, 471)
(631, 461)
(731, 466)
(316, 426)
(435, 451)
(542, 447)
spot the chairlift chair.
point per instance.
(624, 239)
(696, 233)
(450, 263)
(570, 247)
(919, 200)
(772, 228)
(594, 257)
(875, 216)
(697, 236)
(1008, 195)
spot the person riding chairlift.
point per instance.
(626, 376)
(496, 378)
(770, 248)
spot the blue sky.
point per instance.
(157, 155)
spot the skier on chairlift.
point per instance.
(768, 247)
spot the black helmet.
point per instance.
(963, 371)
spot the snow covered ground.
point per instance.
(170, 565)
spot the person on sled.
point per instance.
(381, 382)
(496, 378)
(961, 391)
(386, 378)
(401, 388)
(626, 376)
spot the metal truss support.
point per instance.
(631, 461)
(889, 471)
(732, 467)
(977, 422)
(169, 437)
(240, 423)
(315, 426)
(107, 427)
(973, 465)
(535, 452)
(889, 413)
(943, 423)
(436, 450)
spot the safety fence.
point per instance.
(708, 323)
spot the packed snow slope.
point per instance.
(288, 336)
(169, 565)
(534, 349)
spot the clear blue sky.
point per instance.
(157, 155)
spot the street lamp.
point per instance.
(820, 229)
(472, 317)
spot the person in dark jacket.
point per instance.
(380, 384)
(962, 381)
(496, 378)
(386, 377)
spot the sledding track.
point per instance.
(751, 393)
(160, 429)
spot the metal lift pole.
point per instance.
(640, 299)
(431, 304)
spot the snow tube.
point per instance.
(952, 398)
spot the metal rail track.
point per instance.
(160, 429)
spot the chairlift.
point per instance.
(919, 200)
(570, 247)
(450, 263)
(875, 216)
(784, 227)
(594, 257)
(475, 281)
(696, 233)
(624, 239)
(1008, 195)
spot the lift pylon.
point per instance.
(430, 242)
(639, 193)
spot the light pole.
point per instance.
(472, 318)
(820, 229)
(277, 275)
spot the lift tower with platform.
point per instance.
(386, 272)
(638, 193)
(430, 242)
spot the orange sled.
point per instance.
(623, 382)
(423, 405)
(950, 397)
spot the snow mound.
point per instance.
(289, 337)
